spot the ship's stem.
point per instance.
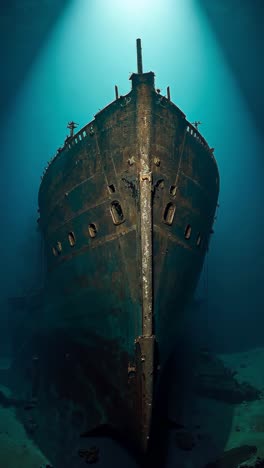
(146, 243)
(145, 342)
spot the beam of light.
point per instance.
(91, 49)
(135, 8)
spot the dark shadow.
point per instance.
(192, 419)
(24, 27)
(194, 408)
(238, 27)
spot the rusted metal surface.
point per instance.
(145, 376)
(124, 189)
(146, 250)
(144, 91)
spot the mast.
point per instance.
(72, 125)
(139, 57)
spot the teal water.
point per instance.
(90, 49)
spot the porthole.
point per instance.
(159, 184)
(173, 190)
(55, 252)
(111, 188)
(117, 212)
(59, 246)
(92, 229)
(57, 249)
(71, 238)
(188, 232)
(169, 213)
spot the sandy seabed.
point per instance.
(16, 449)
(223, 426)
(248, 417)
(246, 427)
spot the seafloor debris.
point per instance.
(214, 380)
(233, 457)
(90, 455)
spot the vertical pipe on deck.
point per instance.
(139, 56)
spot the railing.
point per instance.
(191, 129)
(196, 134)
(88, 130)
(70, 142)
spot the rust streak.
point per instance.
(146, 358)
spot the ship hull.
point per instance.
(126, 210)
